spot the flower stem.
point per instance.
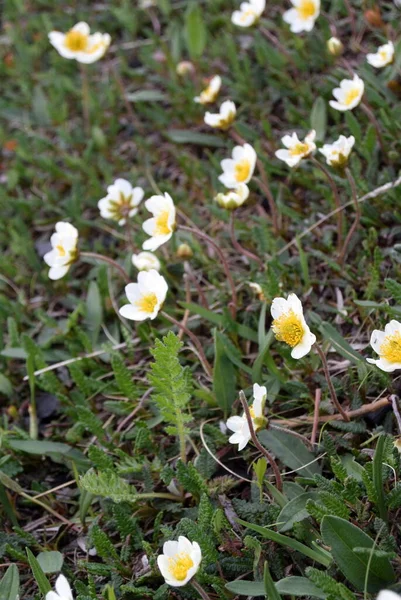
(264, 186)
(357, 218)
(332, 391)
(85, 97)
(238, 246)
(108, 260)
(200, 590)
(394, 402)
(258, 445)
(337, 200)
(371, 116)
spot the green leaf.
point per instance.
(394, 288)
(318, 118)
(209, 315)
(270, 589)
(343, 537)
(56, 450)
(353, 126)
(291, 586)
(295, 511)
(40, 107)
(41, 579)
(224, 376)
(5, 386)
(188, 136)
(195, 30)
(147, 96)
(290, 450)
(378, 460)
(9, 585)
(107, 485)
(94, 311)
(51, 561)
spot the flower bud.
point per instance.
(335, 47)
(373, 17)
(257, 290)
(184, 251)
(185, 68)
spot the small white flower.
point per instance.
(348, 95)
(210, 94)
(78, 43)
(303, 15)
(145, 261)
(383, 57)
(335, 46)
(161, 226)
(249, 13)
(146, 297)
(296, 150)
(234, 198)
(388, 594)
(63, 590)
(337, 153)
(180, 561)
(289, 325)
(239, 168)
(64, 250)
(239, 425)
(121, 201)
(387, 344)
(224, 118)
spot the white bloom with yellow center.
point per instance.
(383, 57)
(180, 561)
(289, 325)
(210, 93)
(387, 344)
(239, 425)
(224, 118)
(249, 13)
(146, 297)
(337, 154)
(233, 199)
(161, 226)
(121, 202)
(348, 95)
(63, 590)
(238, 169)
(145, 261)
(296, 150)
(64, 250)
(303, 15)
(79, 44)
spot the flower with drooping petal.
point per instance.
(79, 44)
(348, 95)
(64, 250)
(239, 168)
(121, 202)
(145, 261)
(233, 199)
(224, 118)
(161, 226)
(257, 290)
(303, 15)
(63, 590)
(337, 153)
(383, 57)
(249, 13)
(146, 296)
(387, 344)
(289, 325)
(210, 93)
(239, 425)
(180, 561)
(296, 150)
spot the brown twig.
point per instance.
(238, 246)
(264, 186)
(318, 396)
(200, 590)
(330, 385)
(371, 116)
(357, 218)
(108, 260)
(394, 402)
(289, 432)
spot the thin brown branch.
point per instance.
(330, 385)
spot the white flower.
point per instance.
(303, 15)
(145, 261)
(234, 198)
(64, 250)
(289, 325)
(335, 46)
(63, 590)
(383, 57)
(78, 43)
(161, 226)
(180, 561)
(348, 95)
(146, 297)
(296, 150)
(239, 425)
(210, 94)
(337, 153)
(239, 168)
(249, 13)
(388, 595)
(121, 201)
(224, 118)
(387, 344)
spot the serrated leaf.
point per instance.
(107, 485)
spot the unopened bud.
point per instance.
(185, 68)
(184, 251)
(373, 17)
(335, 47)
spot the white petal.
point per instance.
(279, 307)
(63, 587)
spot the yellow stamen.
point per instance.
(391, 348)
(288, 328)
(299, 149)
(246, 14)
(306, 9)
(252, 412)
(162, 226)
(180, 565)
(242, 170)
(76, 41)
(351, 96)
(147, 303)
(60, 249)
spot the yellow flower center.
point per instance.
(242, 170)
(147, 303)
(306, 9)
(162, 226)
(351, 96)
(76, 41)
(180, 565)
(60, 249)
(391, 348)
(299, 149)
(288, 328)
(246, 14)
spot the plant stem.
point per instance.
(318, 397)
(108, 260)
(330, 385)
(200, 590)
(33, 420)
(157, 495)
(394, 402)
(85, 97)
(264, 186)
(357, 219)
(224, 263)
(290, 432)
(371, 116)
(337, 200)
(238, 246)
(258, 445)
